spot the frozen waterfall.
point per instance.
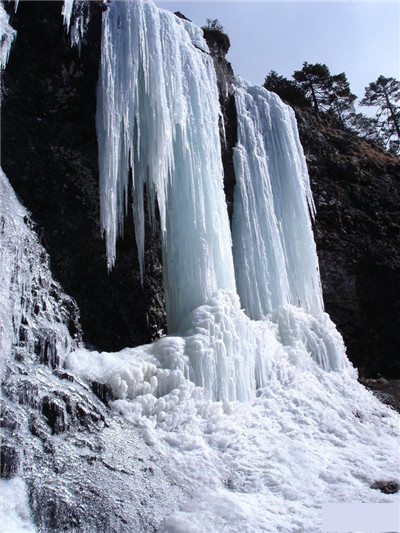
(157, 117)
(157, 123)
(274, 251)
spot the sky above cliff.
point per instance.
(360, 38)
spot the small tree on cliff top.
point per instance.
(384, 93)
(214, 32)
(314, 80)
(215, 25)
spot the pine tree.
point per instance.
(340, 97)
(288, 90)
(365, 127)
(384, 93)
(315, 81)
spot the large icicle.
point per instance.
(76, 19)
(158, 116)
(274, 251)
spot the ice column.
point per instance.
(157, 118)
(274, 251)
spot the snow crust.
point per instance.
(15, 516)
(158, 115)
(7, 36)
(308, 437)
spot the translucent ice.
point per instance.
(157, 116)
(76, 19)
(274, 251)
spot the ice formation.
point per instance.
(33, 310)
(14, 507)
(76, 19)
(274, 251)
(157, 116)
(163, 454)
(7, 36)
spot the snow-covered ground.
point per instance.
(310, 437)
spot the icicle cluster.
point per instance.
(34, 312)
(157, 117)
(7, 36)
(274, 251)
(76, 19)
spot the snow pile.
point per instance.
(7, 36)
(34, 313)
(15, 516)
(221, 350)
(309, 437)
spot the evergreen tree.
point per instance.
(340, 97)
(384, 93)
(288, 90)
(329, 93)
(214, 25)
(315, 80)
(365, 127)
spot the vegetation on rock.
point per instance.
(314, 86)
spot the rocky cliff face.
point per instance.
(356, 189)
(49, 152)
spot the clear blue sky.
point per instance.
(360, 38)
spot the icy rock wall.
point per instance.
(38, 322)
(158, 118)
(7, 36)
(274, 251)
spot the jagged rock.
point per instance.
(10, 459)
(102, 391)
(219, 47)
(55, 414)
(387, 487)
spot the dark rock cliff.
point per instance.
(356, 187)
(218, 43)
(49, 152)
